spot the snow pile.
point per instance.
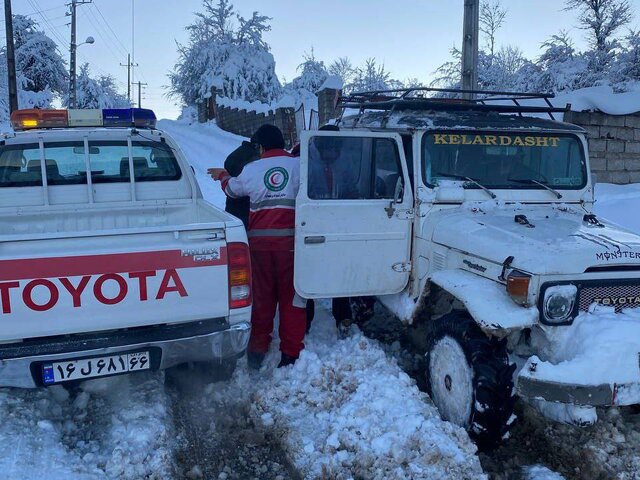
(339, 420)
(600, 347)
(112, 428)
(539, 472)
(205, 146)
(615, 202)
(346, 410)
(602, 99)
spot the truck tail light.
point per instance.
(239, 275)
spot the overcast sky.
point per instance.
(411, 37)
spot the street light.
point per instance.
(72, 66)
(89, 40)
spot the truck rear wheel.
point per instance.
(470, 379)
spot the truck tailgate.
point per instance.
(71, 285)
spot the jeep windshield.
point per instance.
(505, 160)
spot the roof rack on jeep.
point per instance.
(422, 98)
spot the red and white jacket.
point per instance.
(271, 184)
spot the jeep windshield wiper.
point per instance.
(529, 181)
(468, 179)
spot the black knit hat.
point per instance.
(268, 137)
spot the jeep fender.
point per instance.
(486, 301)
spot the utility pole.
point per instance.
(470, 46)
(129, 66)
(11, 57)
(140, 85)
(72, 61)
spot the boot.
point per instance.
(286, 360)
(255, 359)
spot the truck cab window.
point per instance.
(65, 163)
(151, 162)
(342, 168)
(15, 163)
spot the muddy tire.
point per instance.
(363, 309)
(470, 379)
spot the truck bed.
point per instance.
(61, 221)
(96, 269)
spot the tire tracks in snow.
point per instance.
(217, 438)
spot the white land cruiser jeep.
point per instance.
(474, 224)
(110, 260)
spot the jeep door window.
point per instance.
(20, 166)
(65, 163)
(342, 168)
(110, 162)
(505, 160)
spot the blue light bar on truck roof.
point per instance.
(108, 117)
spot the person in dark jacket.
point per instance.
(235, 162)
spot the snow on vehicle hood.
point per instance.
(548, 240)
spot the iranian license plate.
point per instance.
(57, 372)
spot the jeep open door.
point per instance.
(353, 215)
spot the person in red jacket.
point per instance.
(271, 183)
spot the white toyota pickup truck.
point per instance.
(110, 259)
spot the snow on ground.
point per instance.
(540, 472)
(346, 410)
(205, 146)
(110, 428)
(619, 204)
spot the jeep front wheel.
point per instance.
(469, 378)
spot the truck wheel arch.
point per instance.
(486, 301)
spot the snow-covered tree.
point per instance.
(449, 74)
(370, 76)
(100, 92)
(37, 58)
(313, 74)
(625, 73)
(229, 52)
(492, 17)
(343, 68)
(602, 19)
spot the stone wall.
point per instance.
(614, 145)
(327, 103)
(245, 122)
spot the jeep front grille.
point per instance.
(619, 296)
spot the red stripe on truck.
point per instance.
(22, 269)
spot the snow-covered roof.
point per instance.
(601, 99)
(430, 120)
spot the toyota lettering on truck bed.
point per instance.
(111, 261)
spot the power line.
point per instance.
(107, 41)
(53, 30)
(124, 49)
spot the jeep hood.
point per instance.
(556, 240)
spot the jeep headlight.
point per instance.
(558, 303)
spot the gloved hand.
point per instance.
(217, 173)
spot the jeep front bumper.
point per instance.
(207, 340)
(604, 395)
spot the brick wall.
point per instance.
(614, 145)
